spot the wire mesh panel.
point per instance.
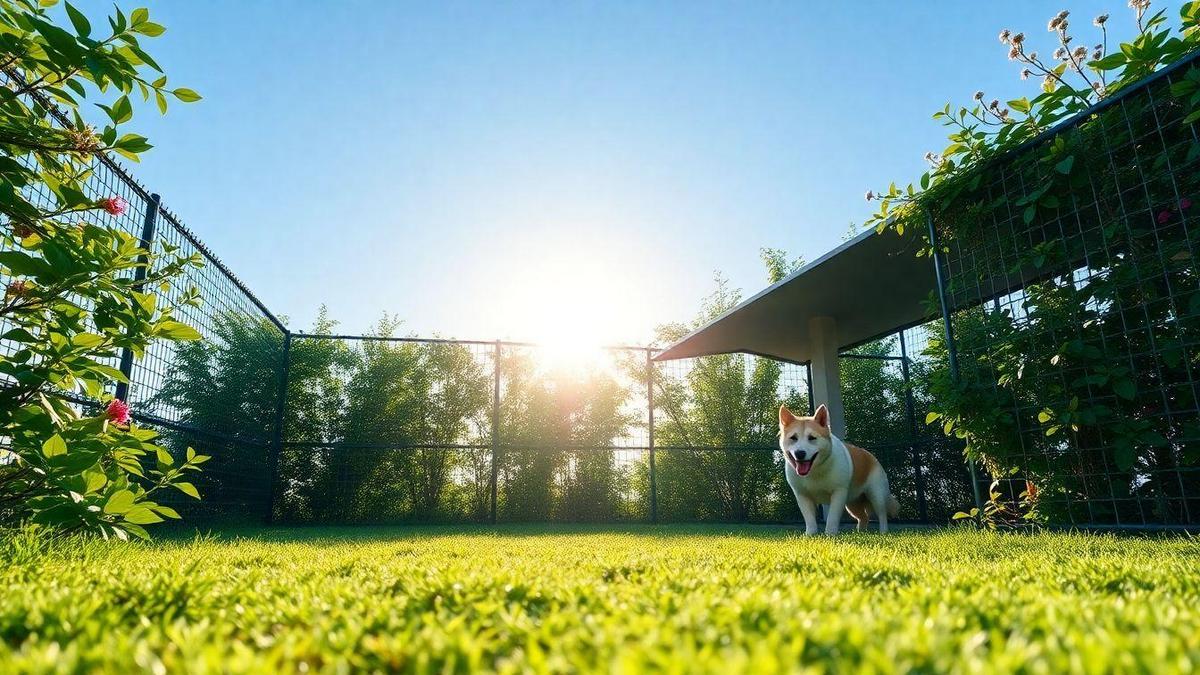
(886, 394)
(572, 434)
(381, 429)
(716, 434)
(384, 485)
(1073, 272)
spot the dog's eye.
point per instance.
(811, 438)
(795, 437)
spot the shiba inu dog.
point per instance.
(823, 469)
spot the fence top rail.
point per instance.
(216, 262)
(300, 335)
(153, 200)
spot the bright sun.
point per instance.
(571, 308)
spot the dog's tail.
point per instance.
(893, 506)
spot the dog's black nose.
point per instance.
(798, 455)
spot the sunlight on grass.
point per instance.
(718, 599)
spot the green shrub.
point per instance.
(80, 289)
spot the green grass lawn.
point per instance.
(717, 599)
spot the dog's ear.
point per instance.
(785, 416)
(821, 417)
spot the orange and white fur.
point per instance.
(823, 469)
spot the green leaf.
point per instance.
(148, 302)
(54, 446)
(932, 417)
(142, 515)
(1110, 62)
(1064, 167)
(136, 530)
(119, 502)
(1030, 213)
(23, 264)
(186, 95)
(87, 340)
(122, 111)
(164, 457)
(1125, 388)
(22, 335)
(1124, 455)
(79, 21)
(188, 489)
(132, 143)
(59, 40)
(150, 29)
(95, 480)
(1021, 105)
(173, 330)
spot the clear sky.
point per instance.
(499, 169)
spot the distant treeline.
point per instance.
(392, 431)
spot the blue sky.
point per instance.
(487, 169)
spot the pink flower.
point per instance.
(115, 206)
(1185, 204)
(117, 412)
(1163, 217)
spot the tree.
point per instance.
(407, 405)
(718, 420)
(558, 427)
(227, 386)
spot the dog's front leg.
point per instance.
(808, 508)
(837, 504)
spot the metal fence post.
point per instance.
(951, 350)
(149, 223)
(495, 427)
(812, 406)
(650, 434)
(915, 448)
(280, 407)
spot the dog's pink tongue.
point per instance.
(803, 468)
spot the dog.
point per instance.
(823, 469)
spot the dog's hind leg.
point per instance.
(861, 513)
(879, 496)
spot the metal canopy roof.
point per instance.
(872, 285)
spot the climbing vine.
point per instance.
(1070, 257)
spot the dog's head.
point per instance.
(804, 440)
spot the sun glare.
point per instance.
(572, 311)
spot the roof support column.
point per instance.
(826, 375)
